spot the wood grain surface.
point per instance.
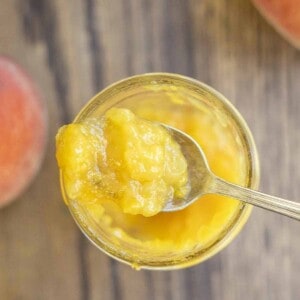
(75, 48)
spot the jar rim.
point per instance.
(253, 176)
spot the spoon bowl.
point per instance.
(199, 173)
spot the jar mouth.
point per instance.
(252, 178)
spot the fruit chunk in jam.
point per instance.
(122, 158)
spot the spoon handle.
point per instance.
(275, 204)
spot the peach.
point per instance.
(284, 15)
(22, 130)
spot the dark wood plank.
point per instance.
(75, 48)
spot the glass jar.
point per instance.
(181, 239)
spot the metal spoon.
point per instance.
(203, 181)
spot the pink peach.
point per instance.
(284, 15)
(22, 130)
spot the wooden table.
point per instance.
(75, 48)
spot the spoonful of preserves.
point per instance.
(203, 181)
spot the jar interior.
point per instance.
(189, 236)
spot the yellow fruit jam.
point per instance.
(116, 178)
(122, 158)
